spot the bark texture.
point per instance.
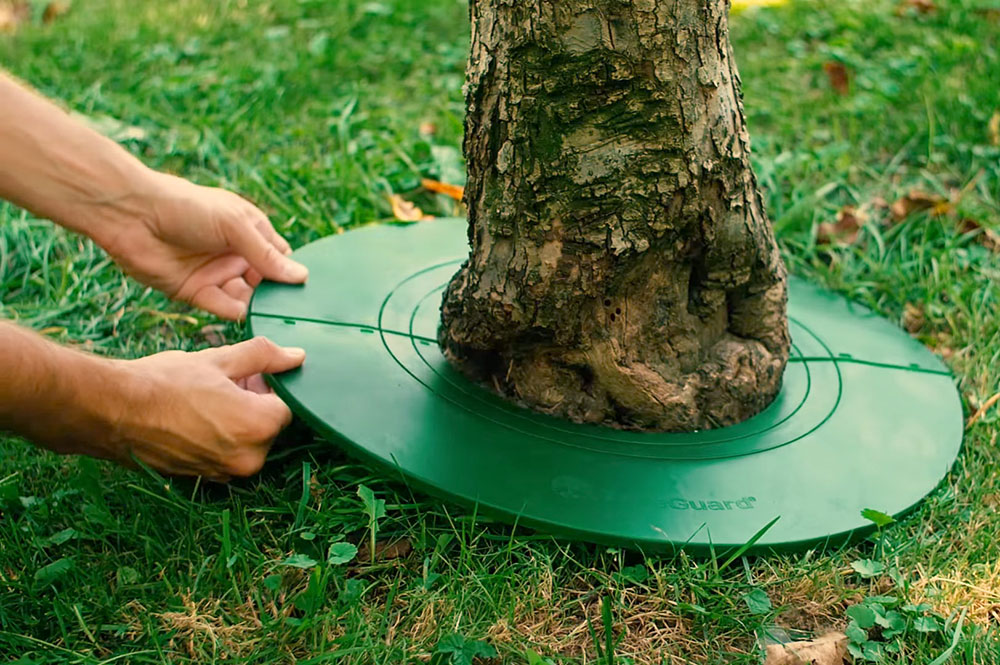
(623, 270)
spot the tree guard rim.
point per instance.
(872, 419)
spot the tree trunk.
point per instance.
(623, 270)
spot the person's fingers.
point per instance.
(249, 461)
(255, 384)
(218, 271)
(201, 287)
(213, 299)
(255, 356)
(272, 416)
(265, 226)
(262, 255)
(253, 278)
(238, 289)
(276, 411)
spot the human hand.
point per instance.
(208, 413)
(202, 245)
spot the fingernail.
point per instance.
(295, 352)
(288, 252)
(296, 272)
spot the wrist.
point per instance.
(89, 394)
(106, 215)
(104, 408)
(88, 401)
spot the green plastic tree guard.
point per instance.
(866, 418)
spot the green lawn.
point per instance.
(313, 109)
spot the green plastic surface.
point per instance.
(867, 417)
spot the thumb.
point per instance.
(262, 255)
(255, 356)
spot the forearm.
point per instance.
(57, 397)
(61, 170)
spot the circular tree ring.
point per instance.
(867, 418)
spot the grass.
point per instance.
(313, 109)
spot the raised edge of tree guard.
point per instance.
(867, 418)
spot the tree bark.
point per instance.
(623, 270)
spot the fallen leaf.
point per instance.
(406, 211)
(839, 78)
(316, 490)
(454, 191)
(54, 10)
(993, 128)
(12, 14)
(213, 334)
(913, 318)
(921, 6)
(942, 344)
(740, 5)
(988, 238)
(386, 550)
(845, 230)
(917, 200)
(830, 649)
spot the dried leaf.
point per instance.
(988, 238)
(993, 128)
(740, 5)
(845, 230)
(454, 191)
(213, 334)
(913, 318)
(839, 78)
(917, 200)
(427, 129)
(12, 14)
(830, 649)
(386, 550)
(405, 211)
(920, 6)
(942, 344)
(54, 10)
